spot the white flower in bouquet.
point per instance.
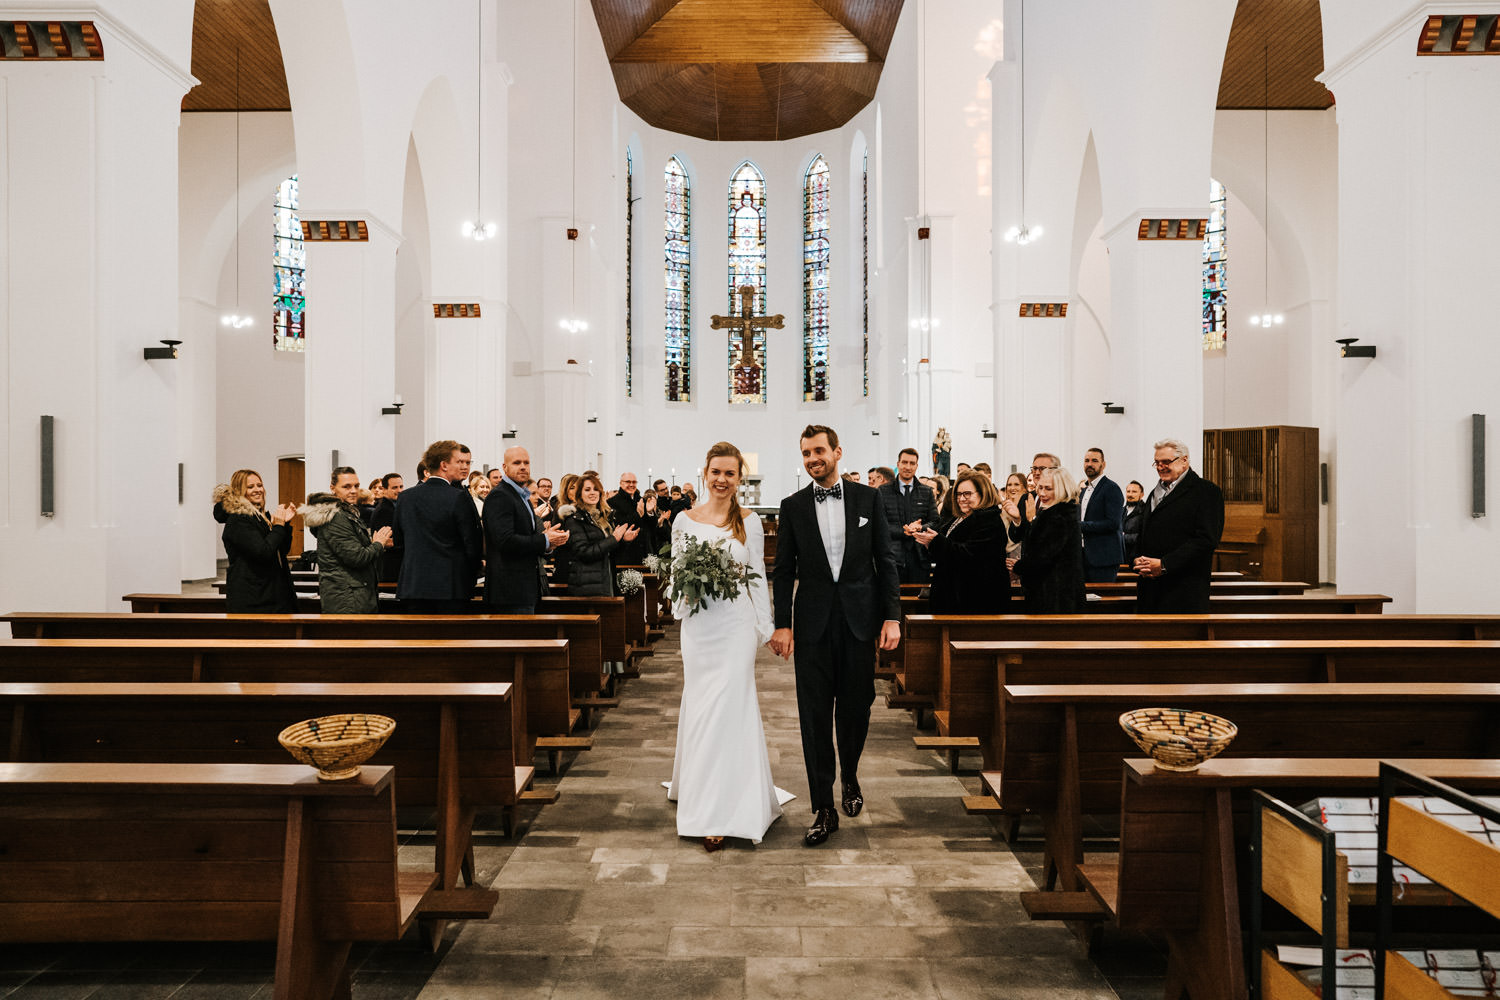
(630, 581)
(707, 571)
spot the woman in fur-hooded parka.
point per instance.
(258, 580)
(348, 557)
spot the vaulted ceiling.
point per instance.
(738, 70)
(1275, 50)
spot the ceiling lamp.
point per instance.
(1023, 234)
(235, 320)
(573, 323)
(1268, 318)
(473, 228)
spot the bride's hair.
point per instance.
(735, 522)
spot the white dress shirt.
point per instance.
(1083, 498)
(831, 527)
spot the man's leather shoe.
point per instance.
(854, 799)
(825, 821)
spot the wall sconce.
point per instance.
(168, 353)
(985, 430)
(1112, 408)
(874, 434)
(510, 433)
(900, 418)
(394, 410)
(1348, 350)
(619, 434)
(594, 419)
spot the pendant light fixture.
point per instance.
(1267, 317)
(1023, 234)
(573, 323)
(235, 319)
(475, 229)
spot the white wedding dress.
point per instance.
(721, 775)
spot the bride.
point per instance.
(721, 775)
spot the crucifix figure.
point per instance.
(747, 323)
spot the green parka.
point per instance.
(348, 557)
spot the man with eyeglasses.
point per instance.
(635, 511)
(1184, 521)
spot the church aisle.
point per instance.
(600, 898)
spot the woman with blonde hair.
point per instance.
(721, 772)
(479, 488)
(591, 539)
(1051, 563)
(259, 581)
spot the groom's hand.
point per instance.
(890, 635)
(781, 643)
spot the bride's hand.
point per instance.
(781, 643)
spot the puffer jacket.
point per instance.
(590, 571)
(259, 580)
(348, 558)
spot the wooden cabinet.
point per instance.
(1269, 476)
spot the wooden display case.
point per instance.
(1269, 476)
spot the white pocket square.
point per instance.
(864, 521)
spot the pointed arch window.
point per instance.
(288, 269)
(865, 261)
(815, 282)
(1215, 272)
(747, 266)
(679, 283)
(629, 290)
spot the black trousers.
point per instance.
(835, 689)
(1100, 574)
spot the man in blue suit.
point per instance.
(438, 527)
(1102, 507)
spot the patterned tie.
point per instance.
(820, 494)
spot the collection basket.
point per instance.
(1178, 739)
(337, 744)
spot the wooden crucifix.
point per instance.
(747, 323)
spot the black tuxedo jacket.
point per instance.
(438, 530)
(1182, 532)
(514, 546)
(868, 589)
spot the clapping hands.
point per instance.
(283, 513)
(626, 533)
(383, 537)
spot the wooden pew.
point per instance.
(653, 596)
(1311, 603)
(1064, 746)
(584, 632)
(974, 672)
(452, 749)
(222, 852)
(1176, 872)
(538, 667)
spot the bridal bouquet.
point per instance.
(706, 571)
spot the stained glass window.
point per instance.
(629, 291)
(679, 278)
(289, 328)
(1215, 273)
(747, 266)
(815, 250)
(865, 261)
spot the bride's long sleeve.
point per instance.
(760, 596)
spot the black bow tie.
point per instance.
(820, 494)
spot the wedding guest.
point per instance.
(479, 488)
(628, 507)
(544, 493)
(348, 552)
(592, 538)
(369, 499)
(961, 468)
(909, 507)
(1010, 513)
(968, 575)
(384, 516)
(1184, 522)
(258, 580)
(874, 478)
(561, 557)
(436, 524)
(1051, 563)
(421, 473)
(984, 467)
(494, 476)
(941, 487)
(1135, 516)
(852, 477)
(1028, 503)
(1101, 506)
(515, 540)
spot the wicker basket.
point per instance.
(337, 744)
(1178, 739)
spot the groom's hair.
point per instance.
(813, 430)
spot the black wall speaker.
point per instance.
(335, 464)
(49, 507)
(179, 484)
(1323, 483)
(1478, 465)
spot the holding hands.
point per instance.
(781, 643)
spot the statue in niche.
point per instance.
(942, 450)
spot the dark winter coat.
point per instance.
(590, 571)
(1051, 564)
(259, 580)
(348, 558)
(622, 508)
(968, 566)
(1182, 532)
(1135, 517)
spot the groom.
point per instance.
(833, 545)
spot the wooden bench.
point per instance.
(542, 705)
(977, 671)
(1063, 744)
(1311, 603)
(221, 852)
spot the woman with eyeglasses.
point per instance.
(968, 552)
(1051, 563)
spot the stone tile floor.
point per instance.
(600, 898)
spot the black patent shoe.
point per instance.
(825, 821)
(854, 799)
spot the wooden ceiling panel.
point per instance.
(775, 69)
(226, 30)
(1275, 51)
